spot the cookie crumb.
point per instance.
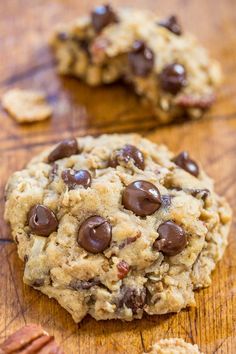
(26, 106)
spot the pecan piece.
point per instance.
(31, 339)
(123, 269)
(129, 240)
(188, 101)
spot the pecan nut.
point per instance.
(31, 339)
(187, 101)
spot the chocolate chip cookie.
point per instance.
(166, 67)
(116, 226)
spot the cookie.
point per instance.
(174, 346)
(116, 226)
(167, 67)
(26, 106)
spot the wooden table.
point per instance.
(25, 61)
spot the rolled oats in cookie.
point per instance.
(116, 226)
(165, 65)
(26, 106)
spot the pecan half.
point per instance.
(188, 101)
(31, 339)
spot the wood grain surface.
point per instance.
(25, 61)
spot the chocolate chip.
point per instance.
(123, 269)
(173, 78)
(83, 44)
(95, 234)
(65, 148)
(132, 298)
(103, 16)
(26, 258)
(183, 160)
(42, 221)
(77, 284)
(203, 193)
(171, 23)
(172, 239)
(141, 59)
(75, 178)
(38, 282)
(126, 154)
(142, 197)
(62, 36)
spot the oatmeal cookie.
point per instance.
(166, 67)
(116, 226)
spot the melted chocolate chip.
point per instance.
(95, 234)
(83, 44)
(42, 221)
(203, 193)
(134, 299)
(173, 78)
(141, 59)
(171, 23)
(123, 269)
(76, 178)
(62, 36)
(77, 284)
(102, 16)
(183, 160)
(126, 154)
(142, 197)
(38, 282)
(65, 148)
(172, 239)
